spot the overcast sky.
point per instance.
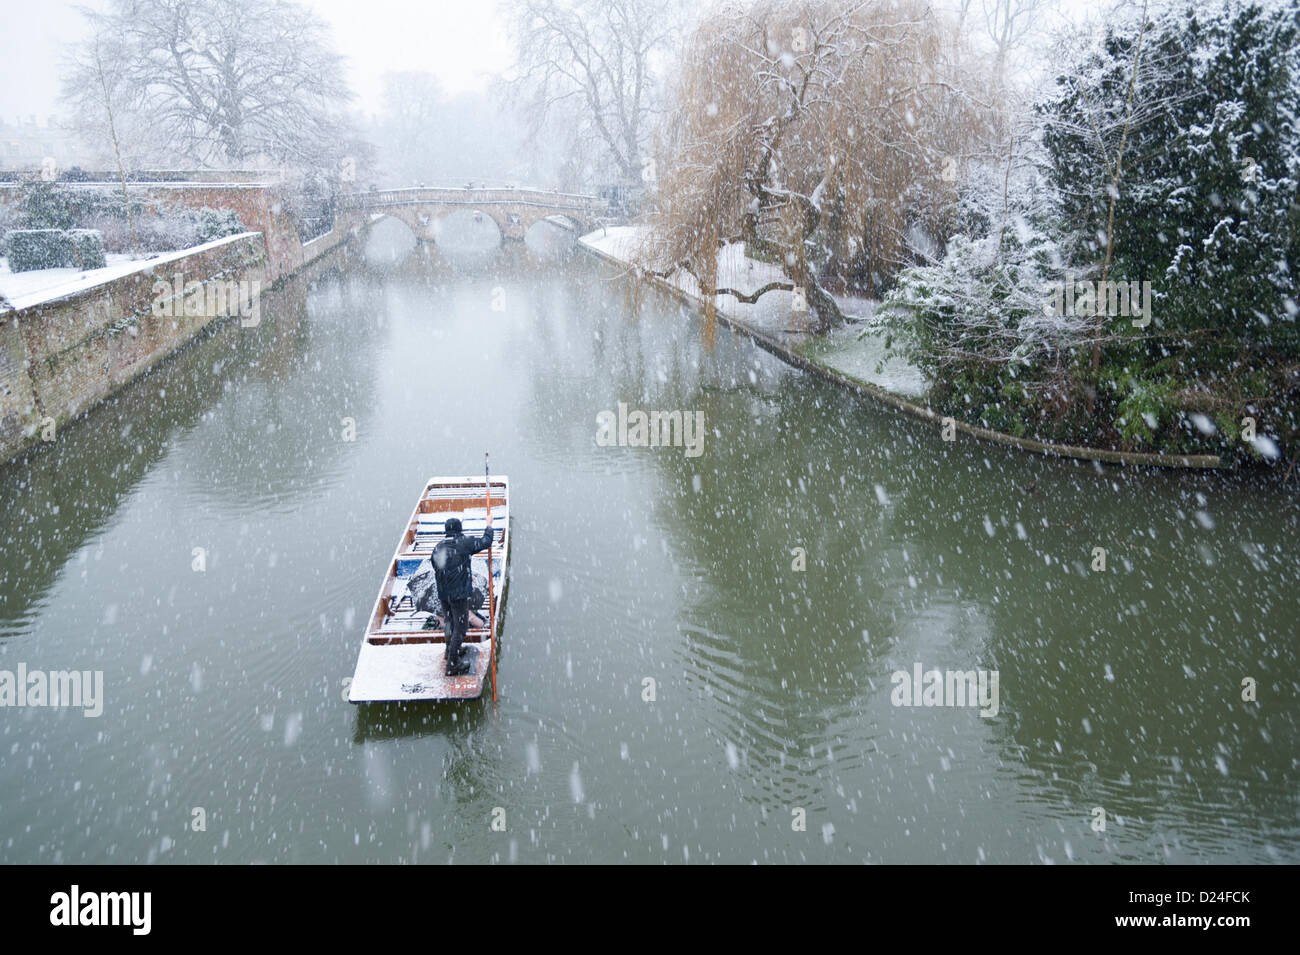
(460, 41)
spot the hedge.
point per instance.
(54, 249)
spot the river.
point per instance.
(699, 651)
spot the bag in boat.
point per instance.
(477, 597)
(423, 588)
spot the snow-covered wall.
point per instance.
(64, 353)
(261, 207)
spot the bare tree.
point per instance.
(1008, 23)
(423, 135)
(117, 148)
(409, 125)
(1114, 160)
(593, 63)
(220, 82)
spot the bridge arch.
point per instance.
(548, 229)
(421, 226)
(389, 240)
(465, 226)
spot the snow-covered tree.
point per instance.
(1168, 152)
(819, 133)
(978, 320)
(212, 82)
(1186, 173)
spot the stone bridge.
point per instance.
(514, 211)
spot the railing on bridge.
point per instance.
(504, 196)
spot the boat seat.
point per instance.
(457, 489)
(412, 622)
(406, 566)
(472, 520)
(424, 542)
(399, 597)
(405, 620)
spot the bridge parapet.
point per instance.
(513, 210)
(495, 197)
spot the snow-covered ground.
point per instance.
(773, 314)
(24, 289)
(619, 241)
(862, 356)
(31, 288)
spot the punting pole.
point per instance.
(492, 622)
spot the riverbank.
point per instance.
(767, 323)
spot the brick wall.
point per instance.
(261, 209)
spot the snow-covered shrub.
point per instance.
(1170, 153)
(310, 203)
(45, 205)
(87, 249)
(140, 226)
(9, 220)
(31, 249)
(979, 322)
(211, 224)
(162, 230)
(1204, 206)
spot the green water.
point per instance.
(635, 572)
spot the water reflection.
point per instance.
(675, 684)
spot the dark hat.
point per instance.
(453, 526)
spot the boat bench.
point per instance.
(408, 627)
(473, 521)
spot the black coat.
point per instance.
(451, 564)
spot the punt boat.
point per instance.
(403, 652)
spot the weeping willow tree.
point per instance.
(822, 134)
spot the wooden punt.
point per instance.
(400, 659)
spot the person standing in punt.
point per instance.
(451, 567)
